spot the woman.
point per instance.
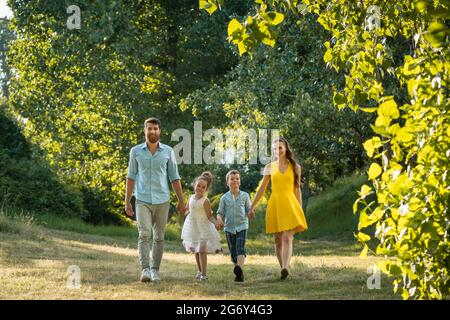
(284, 213)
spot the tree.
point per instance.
(6, 36)
(411, 142)
(84, 93)
(288, 89)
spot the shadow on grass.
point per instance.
(105, 264)
(307, 248)
(263, 282)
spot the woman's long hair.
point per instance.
(291, 157)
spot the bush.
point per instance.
(330, 214)
(29, 184)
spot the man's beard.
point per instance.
(153, 138)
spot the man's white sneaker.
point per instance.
(198, 275)
(146, 275)
(155, 275)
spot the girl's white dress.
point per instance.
(199, 234)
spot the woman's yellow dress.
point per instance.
(283, 209)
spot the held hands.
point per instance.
(129, 209)
(181, 208)
(251, 213)
(219, 223)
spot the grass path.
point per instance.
(34, 262)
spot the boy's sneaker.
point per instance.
(239, 274)
(155, 275)
(145, 275)
(203, 278)
(198, 275)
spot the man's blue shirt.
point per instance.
(152, 172)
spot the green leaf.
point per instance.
(302, 8)
(234, 27)
(412, 86)
(436, 34)
(242, 48)
(404, 135)
(412, 66)
(367, 220)
(371, 145)
(364, 252)
(269, 42)
(363, 220)
(405, 294)
(383, 121)
(370, 110)
(383, 265)
(374, 171)
(208, 5)
(362, 237)
(395, 270)
(274, 18)
(328, 56)
(365, 190)
(380, 130)
(339, 100)
(389, 109)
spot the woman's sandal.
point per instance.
(284, 274)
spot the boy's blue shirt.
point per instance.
(234, 212)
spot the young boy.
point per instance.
(232, 215)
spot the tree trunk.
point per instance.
(305, 192)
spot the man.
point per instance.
(150, 166)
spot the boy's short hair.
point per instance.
(230, 173)
(153, 121)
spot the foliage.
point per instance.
(29, 184)
(330, 214)
(290, 89)
(412, 141)
(6, 36)
(83, 94)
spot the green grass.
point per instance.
(51, 221)
(16, 222)
(330, 214)
(37, 249)
(34, 261)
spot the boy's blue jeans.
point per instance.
(236, 244)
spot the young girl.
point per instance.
(284, 213)
(199, 232)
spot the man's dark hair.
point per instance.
(154, 121)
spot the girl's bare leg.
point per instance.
(203, 262)
(278, 248)
(197, 259)
(287, 238)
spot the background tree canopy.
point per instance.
(411, 143)
(350, 85)
(85, 93)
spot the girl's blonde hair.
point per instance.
(205, 176)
